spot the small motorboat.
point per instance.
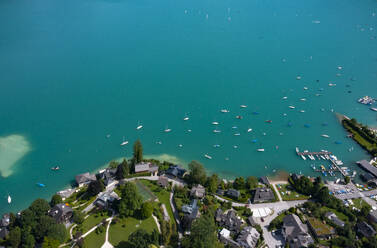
(237, 134)
(325, 136)
(41, 185)
(125, 142)
(216, 145)
(139, 127)
(243, 106)
(268, 121)
(207, 156)
(217, 131)
(186, 118)
(306, 88)
(285, 98)
(239, 117)
(291, 107)
(55, 168)
(224, 111)
(298, 77)
(167, 130)
(255, 113)
(254, 141)
(9, 199)
(215, 123)
(373, 109)
(249, 130)
(260, 150)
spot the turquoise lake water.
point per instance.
(72, 72)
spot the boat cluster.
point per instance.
(367, 100)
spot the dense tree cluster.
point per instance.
(197, 173)
(35, 226)
(130, 201)
(138, 152)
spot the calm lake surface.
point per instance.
(73, 72)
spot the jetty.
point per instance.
(314, 153)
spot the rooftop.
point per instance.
(368, 167)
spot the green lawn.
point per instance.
(94, 240)
(162, 195)
(120, 231)
(93, 220)
(287, 193)
(359, 203)
(340, 215)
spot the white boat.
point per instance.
(316, 21)
(302, 111)
(216, 145)
(325, 136)
(237, 134)
(186, 118)
(306, 88)
(303, 157)
(224, 111)
(291, 107)
(207, 156)
(260, 150)
(285, 98)
(374, 109)
(249, 130)
(331, 85)
(167, 130)
(9, 199)
(243, 106)
(139, 127)
(215, 123)
(298, 77)
(297, 150)
(217, 131)
(124, 143)
(180, 145)
(303, 99)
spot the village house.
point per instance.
(264, 180)
(163, 182)
(4, 223)
(107, 175)
(106, 199)
(198, 191)
(175, 171)
(331, 216)
(295, 232)
(232, 193)
(319, 229)
(85, 179)
(226, 239)
(230, 220)
(61, 213)
(365, 229)
(263, 195)
(146, 168)
(248, 237)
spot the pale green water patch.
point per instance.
(12, 149)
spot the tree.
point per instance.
(43, 227)
(50, 243)
(239, 183)
(78, 217)
(95, 187)
(131, 200)
(28, 218)
(251, 182)
(57, 232)
(197, 172)
(39, 207)
(15, 237)
(138, 152)
(139, 239)
(146, 210)
(27, 238)
(113, 164)
(123, 170)
(347, 179)
(55, 199)
(212, 183)
(203, 233)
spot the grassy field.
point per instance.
(94, 240)
(359, 203)
(162, 195)
(287, 193)
(93, 220)
(120, 231)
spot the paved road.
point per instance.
(356, 193)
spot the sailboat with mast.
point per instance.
(125, 142)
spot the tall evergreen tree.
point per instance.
(138, 152)
(123, 170)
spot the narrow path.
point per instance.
(107, 243)
(157, 223)
(176, 216)
(70, 231)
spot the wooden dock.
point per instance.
(313, 153)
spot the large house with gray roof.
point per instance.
(295, 232)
